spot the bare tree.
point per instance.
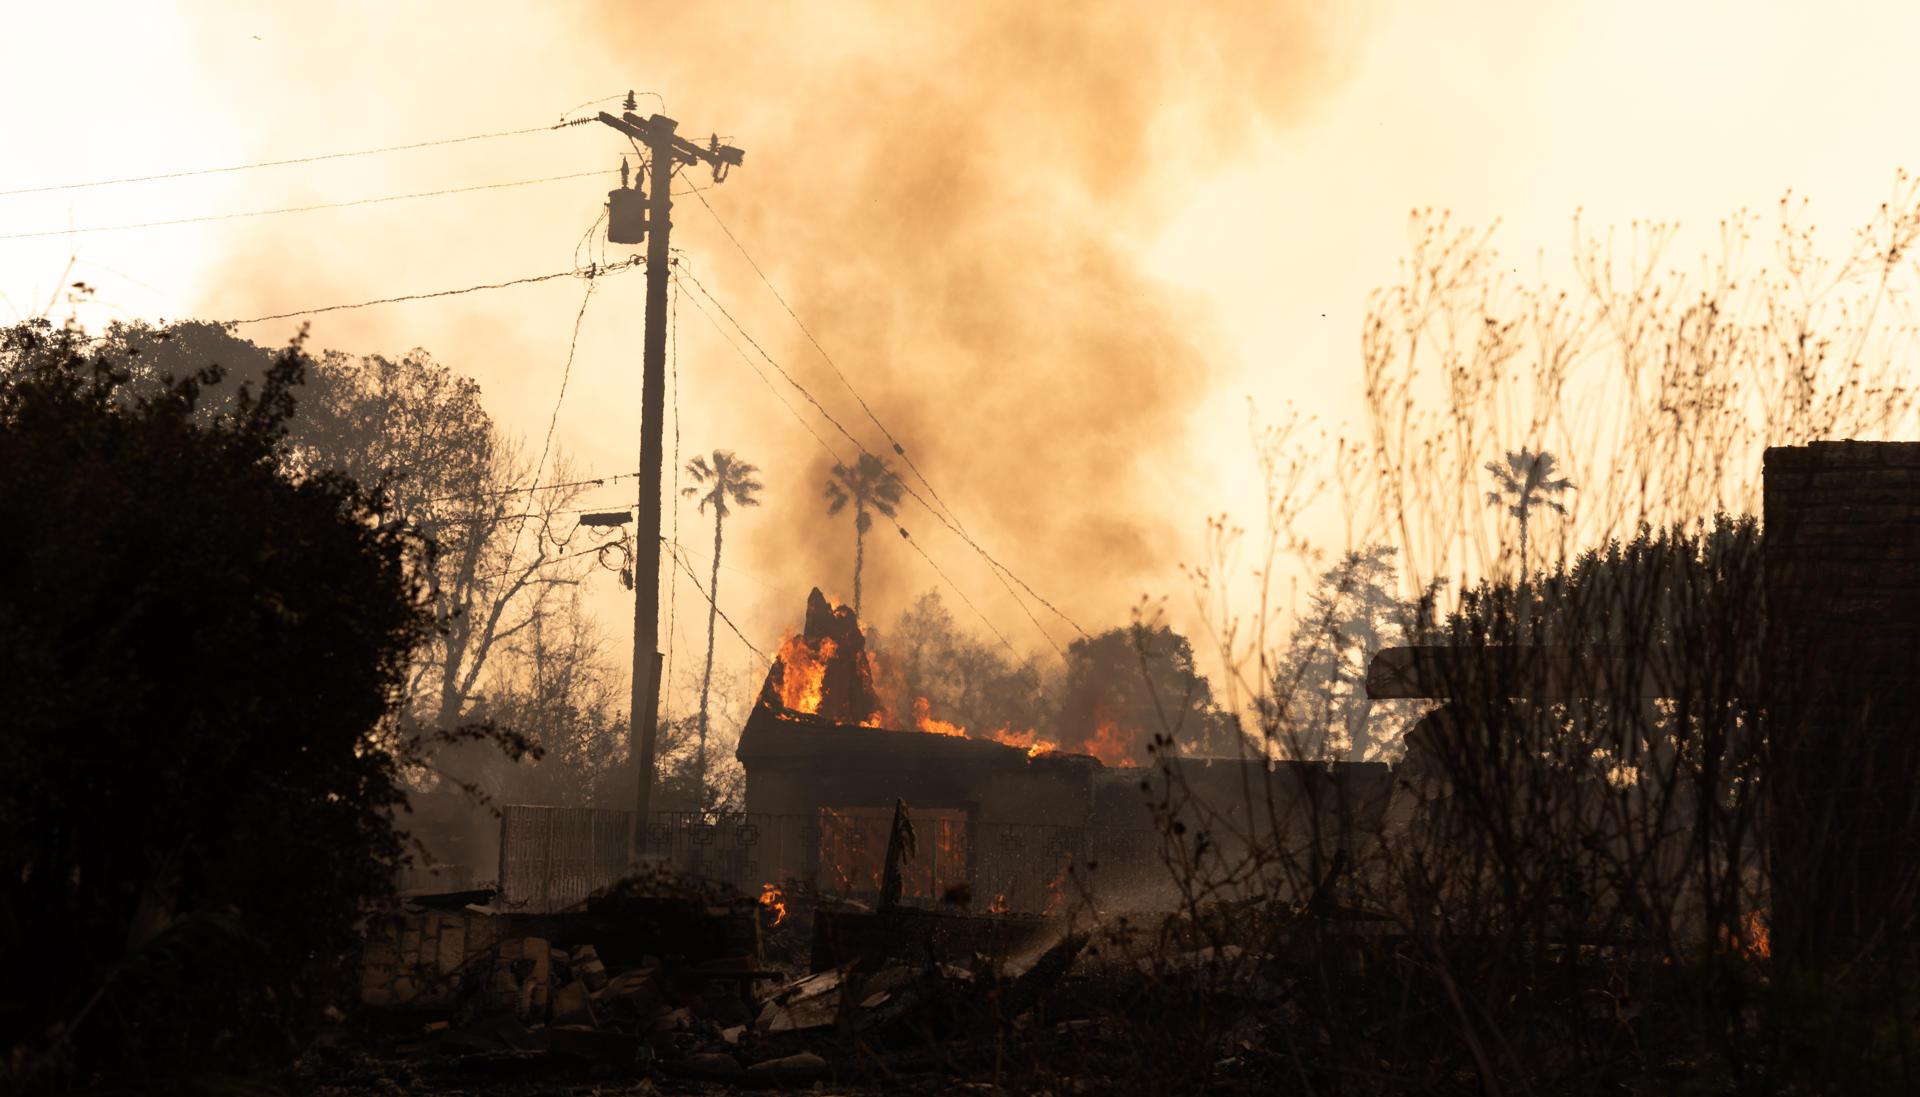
(418, 429)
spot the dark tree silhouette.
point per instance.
(871, 487)
(1524, 482)
(415, 429)
(1317, 705)
(1140, 681)
(196, 650)
(715, 482)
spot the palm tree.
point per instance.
(1526, 481)
(725, 477)
(870, 486)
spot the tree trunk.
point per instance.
(859, 554)
(706, 677)
(1523, 552)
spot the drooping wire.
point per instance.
(577, 272)
(811, 338)
(553, 419)
(654, 95)
(83, 230)
(768, 381)
(586, 239)
(955, 587)
(610, 99)
(681, 559)
(294, 160)
(599, 553)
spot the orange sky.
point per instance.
(1056, 246)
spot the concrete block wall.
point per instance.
(425, 958)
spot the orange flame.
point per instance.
(1756, 938)
(999, 905)
(774, 900)
(802, 680)
(923, 719)
(1111, 744)
(803, 672)
(1028, 740)
(1056, 894)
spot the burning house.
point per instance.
(1003, 820)
(1006, 816)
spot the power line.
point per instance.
(488, 519)
(835, 366)
(679, 557)
(824, 444)
(298, 209)
(295, 160)
(532, 566)
(907, 487)
(609, 99)
(955, 587)
(595, 480)
(760, 373)
(956, 525)
(589, 271)
(553, 420)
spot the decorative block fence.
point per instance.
(552, 858)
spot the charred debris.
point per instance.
(892, 904)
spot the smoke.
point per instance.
(955, 206)
(956, 200)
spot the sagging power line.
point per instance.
(91, 229)
(917, 497)
(955, 524)
(833, 453)
(588, 271)
(190, 173)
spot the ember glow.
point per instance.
(1756, 939)
(774, 900)
(1056, 888)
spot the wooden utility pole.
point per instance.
(630, 218)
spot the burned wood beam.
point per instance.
(900, 844)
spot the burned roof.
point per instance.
(774, 735)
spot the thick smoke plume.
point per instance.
(958, 207)
(957, 201)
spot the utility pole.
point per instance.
(631, 218)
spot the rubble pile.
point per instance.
(674, 988)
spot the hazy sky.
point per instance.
(1056, 247)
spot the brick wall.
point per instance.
(1842, 544)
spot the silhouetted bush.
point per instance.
(196, 650)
